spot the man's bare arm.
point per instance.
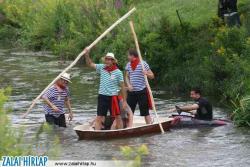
(127, 81)
(149, 74)
(190, 108)
(123, 91)
(48, 102)
(68, 104)
(88, 60)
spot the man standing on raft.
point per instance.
(137, 90)
(111, 79)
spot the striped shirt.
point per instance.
(136, 77)
(109, 82)
(57, 98)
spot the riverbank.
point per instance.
(201, 52)
(29, 72)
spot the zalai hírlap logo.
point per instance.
(34, 161)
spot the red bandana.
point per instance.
(120, 97)
(115, 108)
(150, 105)
(110, 68)
(134, 63)
(60, 86)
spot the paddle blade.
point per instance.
(178, 109)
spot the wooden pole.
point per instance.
(146, 78)
(78, 58)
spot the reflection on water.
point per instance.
(28, 73)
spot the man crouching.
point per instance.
(111, 78)
(55, 98)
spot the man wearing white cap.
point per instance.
(111, 79)
(55, 98)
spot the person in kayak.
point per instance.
(137, 90)
(111, 80)
(202, 109)
(55, 98)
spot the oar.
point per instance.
(146, 79)
(78, 57)
(179, 110)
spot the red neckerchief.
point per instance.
(134, 63)
(60, 88)
(110, 68)
(120, 97)
(115, 108)
(150, 106)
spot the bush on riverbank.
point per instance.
(134, 154)
(241, 112)
(202, 52)
(66, 27)
(13, 142)
(231, 70)
(10, 139)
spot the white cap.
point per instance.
(66, 76)
(111, 55)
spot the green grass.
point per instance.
(65, 26)
(195, 12)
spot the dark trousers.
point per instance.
(141, 98)
(60, 121)
(104, 105)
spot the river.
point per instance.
(28, 73)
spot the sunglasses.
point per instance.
(109, 59)
(65, 82)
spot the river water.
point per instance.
(28, 73)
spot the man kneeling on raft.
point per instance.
(126, 114)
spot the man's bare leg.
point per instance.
(130, 119)
(119, 123)
(148, 119)
(98, 122)
(113, 127)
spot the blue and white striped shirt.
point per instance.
(57, 98)
(136, 77)
(109, 82)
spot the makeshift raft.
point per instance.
(86, 132)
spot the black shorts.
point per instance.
(141, 98)
(60, 121)
(104, 105)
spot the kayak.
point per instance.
(86, 131)
(182, 121)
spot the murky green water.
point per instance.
(28, 73)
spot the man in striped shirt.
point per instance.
(137, 91)
(111, 79)
(55, 98)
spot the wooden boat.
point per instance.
(86, 132)
(186, 121)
